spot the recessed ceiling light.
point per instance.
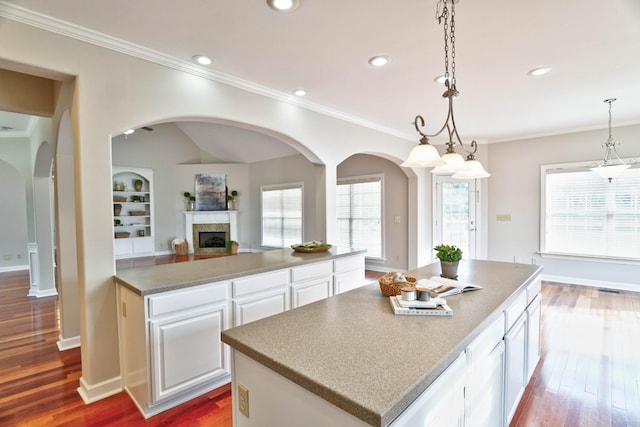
(299, 92)
(540, 71)
(379, 61)
(202, 59)
(283, 5)
(128, 131)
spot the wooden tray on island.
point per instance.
(303, 249)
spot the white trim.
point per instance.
(14, 268)
(42, 294)
(68, 343)
(104, 389)
(48, 23)
(594, 283)
(590, 258)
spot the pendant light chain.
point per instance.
(453, 45)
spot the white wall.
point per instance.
(514, 188)
(395, 204)
(13, 226)
(282, 171)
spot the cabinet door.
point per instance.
(515, 370)
(533, 336)
(187, 351)
(256, 307)
(122, 248)
(347, 281)
(311, 291)
(142, 245)
(485, 391)
(442, 404)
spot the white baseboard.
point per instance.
(594, 283)
(68, 343)
(41, 294)
(14, 268)
(93, 393)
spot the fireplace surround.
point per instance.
(207, 232)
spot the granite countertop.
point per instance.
(168, 277)
(348, 349)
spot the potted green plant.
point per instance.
(135, 198)
(449, 256)
(231, 200)
(117, 208)
(189, 201)
(137, 184)
(232, 247)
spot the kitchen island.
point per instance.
(349, 361)
(170, 317)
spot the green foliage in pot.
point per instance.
(448, 253)
(230, 245)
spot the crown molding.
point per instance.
(57, 26)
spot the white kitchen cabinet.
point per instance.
(484, 393)
(311, 283)
(348, 273)
(533, 335)
(259, 296)
(442, 404)
(187, 351)
(170, 344)
(515, 369)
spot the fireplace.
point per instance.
(210, 238)
(208, 222)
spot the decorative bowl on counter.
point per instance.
(310, 247)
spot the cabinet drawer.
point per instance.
(260, 282)
(348, 263)
(311, 291)
(311, 271)
(486, 341)
(533, 289)
(187, 298)
(514, 311)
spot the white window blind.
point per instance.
(585, 214)
(281, 215)
(359, 214)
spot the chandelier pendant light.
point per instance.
(425, 154)
(606, 169)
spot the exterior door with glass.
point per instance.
(455, 218)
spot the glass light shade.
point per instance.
(423, 155)
(452, 163)
(610, 172)
(472, 169)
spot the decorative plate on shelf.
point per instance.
(310, 247)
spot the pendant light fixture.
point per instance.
(425, 154)
(607, 169)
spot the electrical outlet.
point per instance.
(19, 256)
(243, 400)
(7, 257)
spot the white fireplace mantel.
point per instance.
(210, 217)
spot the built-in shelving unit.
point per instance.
(133, 212)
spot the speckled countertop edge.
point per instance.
(287, 356)
(168, 277)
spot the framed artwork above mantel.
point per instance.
(211, 192)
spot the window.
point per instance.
(281, 215)
(359, 213)
(584, 214)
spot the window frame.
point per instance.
(363, 179)
(275, 187)
(575, 167)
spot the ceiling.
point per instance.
(323, 47)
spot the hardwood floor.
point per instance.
(589, 374)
